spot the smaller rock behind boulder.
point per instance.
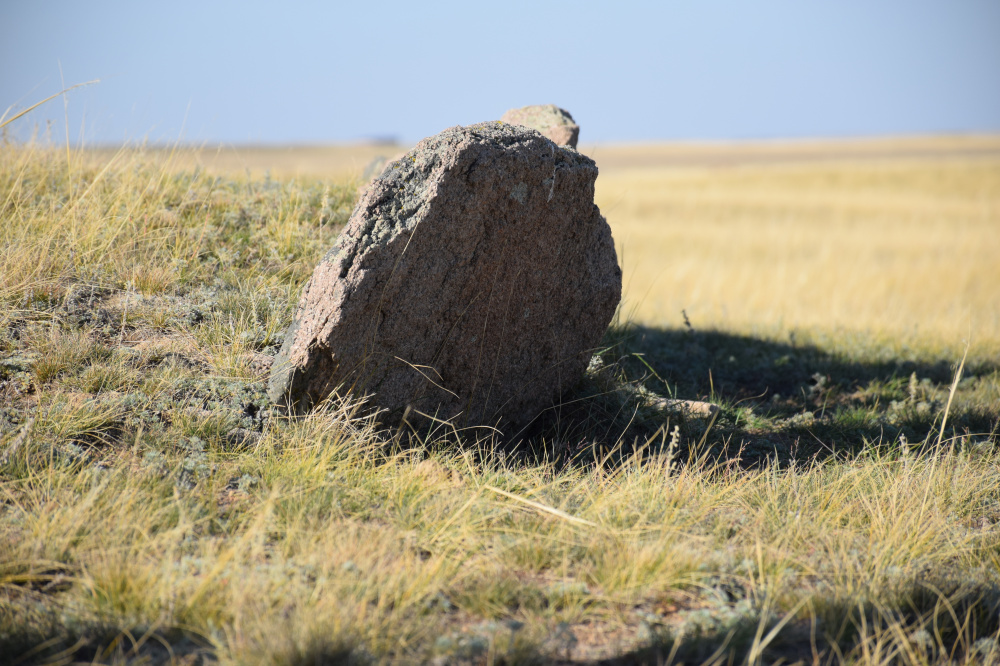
(549, 119)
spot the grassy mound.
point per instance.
(842, 507)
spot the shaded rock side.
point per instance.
(472, 282)
(548, 119)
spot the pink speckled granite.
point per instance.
(471, 283)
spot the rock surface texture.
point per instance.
(471, 283)
(548, 119)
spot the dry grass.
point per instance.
(900, 250)
(154, 508)
(333, 162)
(325, 546)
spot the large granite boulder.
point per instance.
(472, 283)
(548, 119)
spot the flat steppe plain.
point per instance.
(349, 160)
(893, 236)
(839, 300)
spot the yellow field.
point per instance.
(898, 248)
(898, 238)
(840, 508)
(336, 162)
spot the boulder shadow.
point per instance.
(779, 401)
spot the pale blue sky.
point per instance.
(307, 72)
